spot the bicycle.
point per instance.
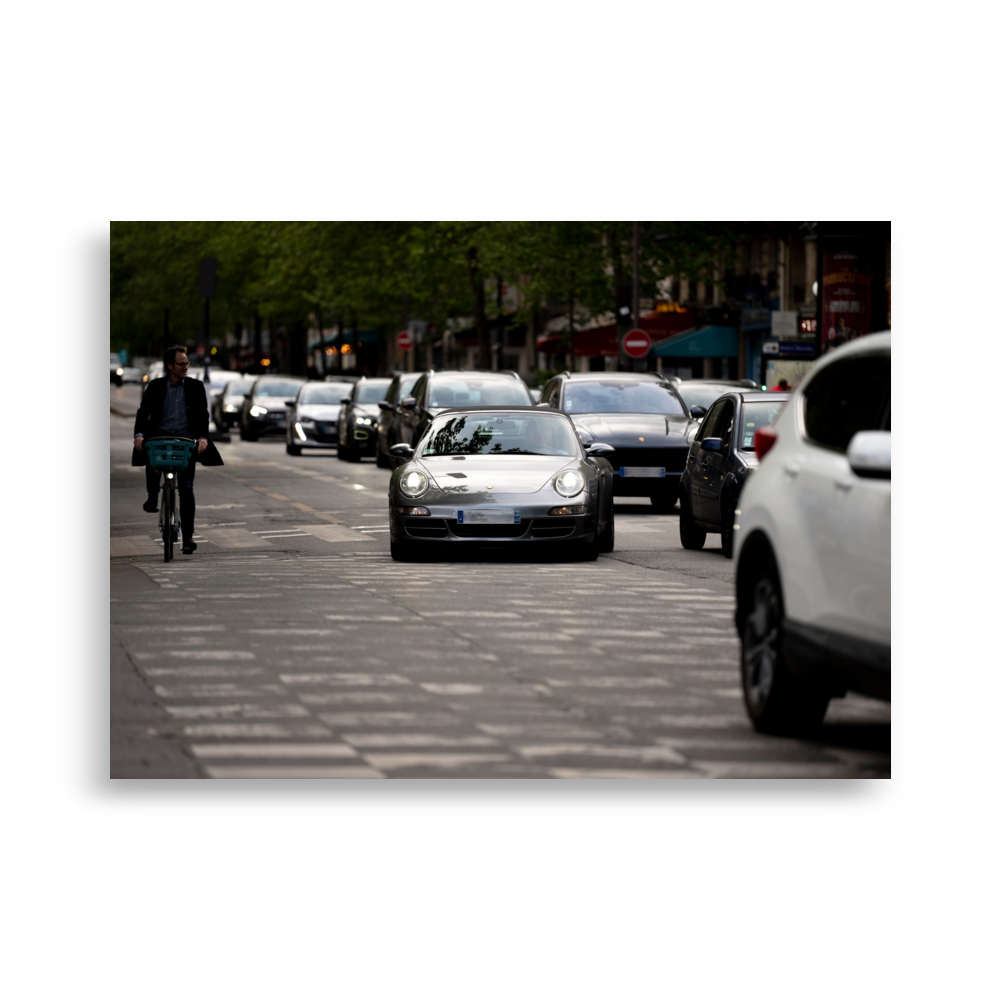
(169, 455)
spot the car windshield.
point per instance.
(500, 434)
(473, 391)
(702, 395)
(372, 392)
(330, 393)
(621, 396)
(238, 388)
(277, 388)
(755, 416)
(405, 385)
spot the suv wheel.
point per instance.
(728, 521)
(692, 537)
(776, 701)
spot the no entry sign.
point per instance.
(636, 343)
(404, 340)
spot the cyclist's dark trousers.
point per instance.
(185, 486)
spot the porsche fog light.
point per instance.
(413, 484)
(299, 431)
(569, 483)
(579, 508)
(423, 511)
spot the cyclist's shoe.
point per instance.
(189, 546)
(150, 506)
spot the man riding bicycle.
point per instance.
(175, 406)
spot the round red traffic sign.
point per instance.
(636, 343)
(404, 340)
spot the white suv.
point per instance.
(812, 544)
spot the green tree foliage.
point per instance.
(377, 274)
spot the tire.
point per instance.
(776, 701)
(606, 539)
(381, 460)
(341, 452)
(728, 519)
(168, 526)
(588, 551)
(663, 499)
(692, 537)
(293, 449)
(401, 551)
(247, 435)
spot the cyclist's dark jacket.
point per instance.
(147, 417)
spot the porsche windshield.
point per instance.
(503, 434)
(621, 396)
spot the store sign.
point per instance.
(756, 319)
(846, 299)
(770, 347)
(797, 348)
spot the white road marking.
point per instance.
(211, 654)
(253, 711)
(772, 769)
(341, 719)
(258, 730)
(397, 761)
(202, 671)
(469, 614)
(656, 753)
(576, 772)
(354, 680)
(293, 771)
(416, 740)
(207, 751)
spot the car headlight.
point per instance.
(258, 411)
(230, 408)
(569, 483)
(362, 420)
(120, 372)
(413, 484)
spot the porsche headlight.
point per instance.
(362, 420)
(413, 484)
(569, 483)
(258, 411)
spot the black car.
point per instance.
(399, 388)
(264, 410)
(227, 404)
(357, 432)
(700, 393)
(641, 417)
(435, 391)
(721, 458)
(314, 417)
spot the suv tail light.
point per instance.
(763, 441)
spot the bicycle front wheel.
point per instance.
(168, 524)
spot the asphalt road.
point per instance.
(291, 645)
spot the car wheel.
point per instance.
(728, 520)
(401, 551)
(692, 537)
(381, 460)
(776, 701)
(341, 452)
(663, 499)
(293, 449)
(247, 435)
(606, 539)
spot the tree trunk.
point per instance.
(257, 348)
(479, 298)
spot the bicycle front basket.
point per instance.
(169, 455)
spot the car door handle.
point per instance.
(793, 468)
(844, 484)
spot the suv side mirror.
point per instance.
(698, 411)
(711, 444)
(409, 403)
(289, 402)
(870, 454)
(345, 399)
(401, 451)
(599, 448)
(383, 405)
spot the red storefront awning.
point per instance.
(602, 341)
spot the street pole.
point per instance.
(207, 266)
(635, 280)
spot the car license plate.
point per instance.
(329, 429)
(641, 472)
(494, 515)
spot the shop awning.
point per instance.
(602, 341)
(707, 342)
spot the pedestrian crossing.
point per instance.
(347, 665)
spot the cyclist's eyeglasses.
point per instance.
(181, 364)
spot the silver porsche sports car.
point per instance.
(501, 475)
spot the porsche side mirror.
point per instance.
(289, 402)
(698, 412)
(401, 451)
(586, 438)
(599, 448)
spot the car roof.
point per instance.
(605, 376)
(503, 408)
(462, 372)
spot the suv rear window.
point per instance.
(846, 397)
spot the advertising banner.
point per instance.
(846, 299)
